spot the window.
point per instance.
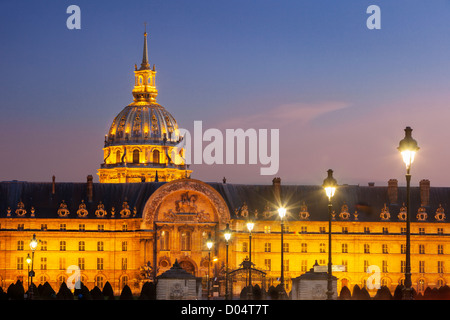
(421, 230)
(322, 248)
(403, 230)
(62, 227)
(385, 230)
(366, 265)
(81, 246)
(385, 248)
(20, 245)
(384, 266)
(100, 246)
(268, 264)
(285, 228)
(124, 263)
(286, 247)
(44, 227)
(304, 266)
(304, 229)
(440, 267)
(118, 156)
(440, 231)
(155, 156)
(366, 230)
(81, 263)
(185, 240)
(136, 154)
(403, 266)
(344, 248)
(322, 230)
(20, 227)
(421, 266)
(344, 229)
(124, 245)
(99, 282)
(124, 227)
(101, 227)
(19, 263)
(82, 227)
(62, 263)
(62, 246)
(43, 245)
(266, 229)
(421, 249)
(244, 247)
(99, 263)
(164, 240)
(286, 265)
(304, 247)
(403, 248)
(366, 248)
(267, 247)
(43, 263)
(440, 249)
(345, 264)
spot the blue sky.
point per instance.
(340, 94)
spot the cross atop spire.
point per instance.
(145, 65)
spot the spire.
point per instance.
(145, 65)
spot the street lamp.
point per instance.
(250, 225)
(282, 292)
(28, 260)
(227, 235)
(33, 246)
(330, 185)
(209, 244)
(408, 148)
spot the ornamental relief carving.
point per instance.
(217, 208)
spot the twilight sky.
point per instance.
(339, 93)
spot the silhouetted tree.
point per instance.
(345, 293)
(383, 294)
(398, 293)
(97, 294)
(257, 292)
(444, 293)
(365, 294)
(15, 291)
(356, 293)
(64, 292)
(126, 293)
(108, 291)
(3, 295)
(47, 292)
(148, 291)
(273, 293)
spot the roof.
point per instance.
(366, 201)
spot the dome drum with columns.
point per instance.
(143, 141)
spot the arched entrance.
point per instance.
(188, 266)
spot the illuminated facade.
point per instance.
(146, 213)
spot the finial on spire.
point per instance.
(145, 65)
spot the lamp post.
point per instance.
(28, 260)
(227, 235)
(209, 244)
(250, 225)
(330, 185)
(282, 292)
(408, 148)
(33, 246)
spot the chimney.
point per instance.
(424, 192)
(393, 190)
(90, 188)
(276, 186)
(53, 185)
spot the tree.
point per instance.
(345, 293)
(97, 294)
(356, 292)
(365, 294)
(108, 292)
(444, 293)
(47, 292)
(148, 291)
(398, 293)
(64, 292)
(383, 294)
(126, 293)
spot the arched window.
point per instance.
(156, 156)
(136, 156)
(99, 282)
(123, 281)
(118, 156)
